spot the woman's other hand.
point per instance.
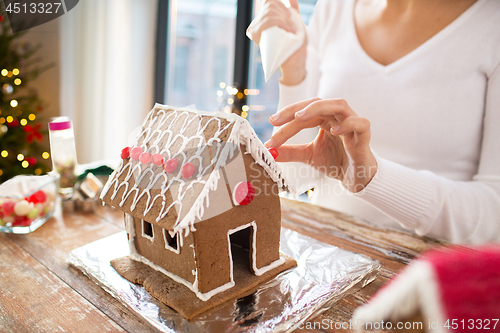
(341, 149)
(275, 13)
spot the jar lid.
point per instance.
(59, 125)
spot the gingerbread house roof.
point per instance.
(207, 141)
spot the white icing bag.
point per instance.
(277, 45)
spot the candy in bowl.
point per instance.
(26, 202)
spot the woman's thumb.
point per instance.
(295, 4)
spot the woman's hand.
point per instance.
(341, 149)
(275, 13)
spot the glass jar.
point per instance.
(26, 202)
(63, 152)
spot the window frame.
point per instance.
(167, 245)
(244, 13)
(152, 237)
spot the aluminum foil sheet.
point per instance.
(324, 274)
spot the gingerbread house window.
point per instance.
(171, 240)
(147, 230)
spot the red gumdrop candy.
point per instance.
(244, 193)
(145, 158)
(274, 152)
(8, 207)
(21, 221)
(125, 153)
(37, 197)
(187, 170)
(171, 165)
(135, 153)
(157, 159)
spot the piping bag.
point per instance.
(276, 44)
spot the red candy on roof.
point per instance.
(125, 153)
(135, 153)
(187, 170)
(157, 159)
(171, 165)
(145, 158)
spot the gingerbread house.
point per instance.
(200, 195)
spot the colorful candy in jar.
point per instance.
(22, 212)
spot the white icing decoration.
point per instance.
(155, 129)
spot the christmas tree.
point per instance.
(21, 132)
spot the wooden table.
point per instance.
(40, 293)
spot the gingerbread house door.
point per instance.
(240, 247)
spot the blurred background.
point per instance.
(106, 62)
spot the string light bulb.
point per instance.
(17, 81)
(13, 103)
(38, 171)
(245, 108)
(10, 119)
(4, 153)
(4, 72)
(15, 71)
(45, 155)
(222, 85)
(20, 157)
(25, 164)
(32, 117)
(23, 122)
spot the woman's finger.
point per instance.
(287, 114)
(325, 108)
(354, 124)
(286, 131)
(295, 153)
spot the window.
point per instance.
(220, 58)
(171, 240)
(201, 39)
(206, 53)
(180, 69)
(147, 230)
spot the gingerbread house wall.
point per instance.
(180, 263)
(263, 214)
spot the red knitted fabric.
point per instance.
(469, 281)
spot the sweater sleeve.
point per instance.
(458, 211)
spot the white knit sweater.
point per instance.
(435, 118)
